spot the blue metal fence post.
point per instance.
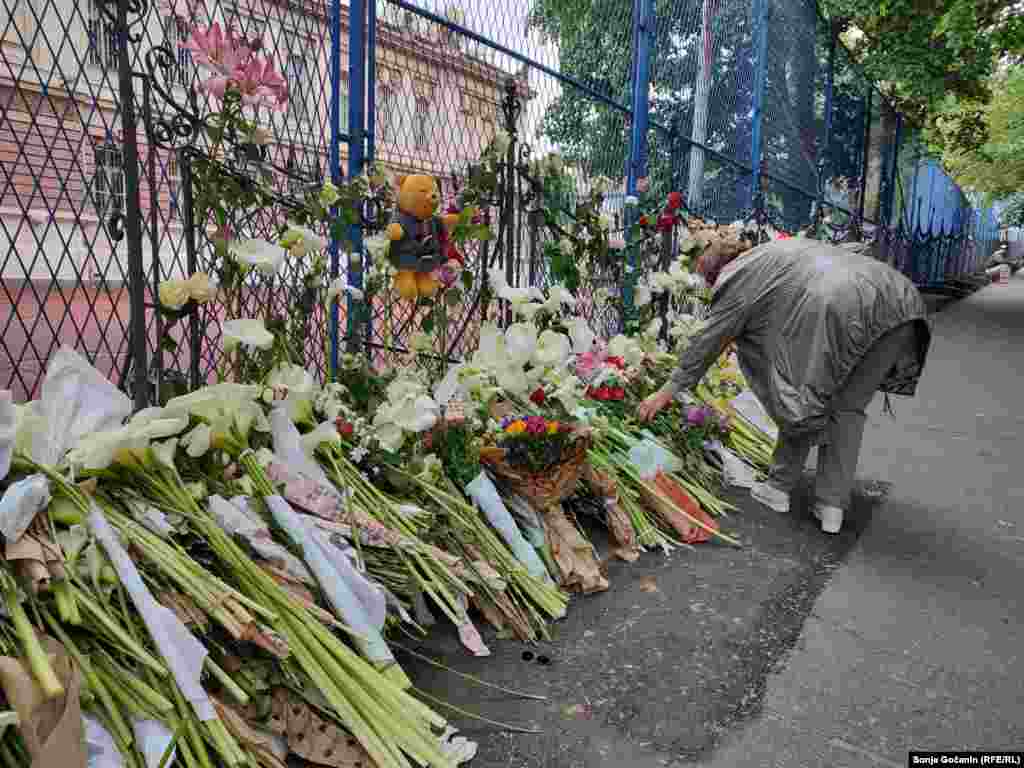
(357, 141)
(760, 11)
(643, 42)
(335, 169)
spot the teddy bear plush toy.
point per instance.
(420, 240)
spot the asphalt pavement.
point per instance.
(802, 649)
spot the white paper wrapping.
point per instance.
(76, 400)
(8, 431)
(179, 648)
(342, 556)
(20, 504)
(237, 519)
(736, 472)
(100, 748)
(526, 518)
(650, 458)
(750, 408)
(483, 492)
(338, 593)
(152, 739)
(288, 446)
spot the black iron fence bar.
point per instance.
(133, 208)
(192, 264)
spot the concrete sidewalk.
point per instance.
(917, 641)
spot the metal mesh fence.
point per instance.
(751, 103)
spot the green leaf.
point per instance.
(453, 297)
(427, 325)
(168, 344)
(467, 280)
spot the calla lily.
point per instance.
(264, 256)
(553, 349)
(164, 452)
(197, 442)
(302, 241)
(292, 377)
(377, 246)
(520, 343)
(582, 337)
(248, 332)
(326, 432)
(641, 296)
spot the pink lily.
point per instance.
(260, 84)
(219, 51)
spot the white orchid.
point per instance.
(248, 332)
(302, 241)
(409, 409)
(264, 256)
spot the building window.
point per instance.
(343, 109)
(386, 113)
(173, 186)
(423, 115)
(102, 37)
(175, 36)
(298, 82)
(108, 179)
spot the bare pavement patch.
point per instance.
(656, 670)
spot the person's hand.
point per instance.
(653, 404)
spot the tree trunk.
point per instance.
(883, 136)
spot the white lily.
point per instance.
(249, 332)
(264, 256)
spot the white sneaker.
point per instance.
(831, 518)
(770, 496)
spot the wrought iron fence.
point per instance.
(749, 107)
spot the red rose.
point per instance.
(644, 221)
(619, 393)
(538, 397)
(618, 362)
(675, 201)
(345, 429)
(604, 393)
(666, 222)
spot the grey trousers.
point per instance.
(840, 442)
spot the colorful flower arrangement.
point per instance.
(534, 443)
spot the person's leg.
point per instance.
(788, 461)
(840, 453)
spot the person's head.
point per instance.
(717, 256)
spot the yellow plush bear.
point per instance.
(419, 238)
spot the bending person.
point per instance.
(819, 330)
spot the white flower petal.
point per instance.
(264, 256)
(248, 332)
(520, 343)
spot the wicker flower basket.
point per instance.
(574, 556)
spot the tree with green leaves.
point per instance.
(990, 160)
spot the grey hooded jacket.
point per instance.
(803, 314)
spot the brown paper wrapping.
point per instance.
(51, 729)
